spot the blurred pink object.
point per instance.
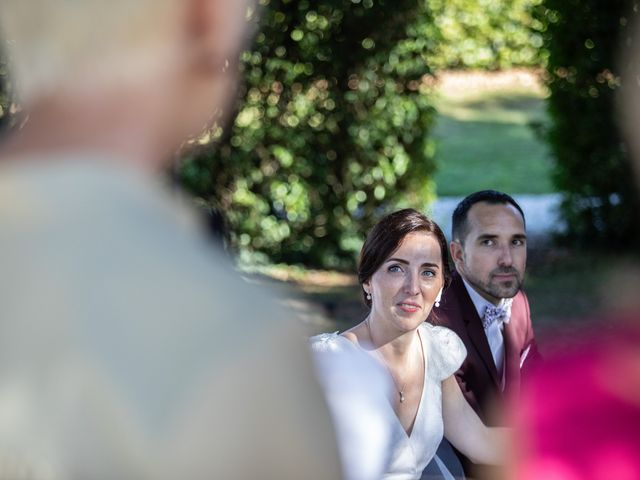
(580, 413)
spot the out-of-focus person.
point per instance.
(486, 306)
(581, 415)
(129, 346)
(403, 270)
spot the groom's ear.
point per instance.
(457, 252)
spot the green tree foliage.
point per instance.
(583, 40)
(331, 129)
(6, 118)
(484, 34)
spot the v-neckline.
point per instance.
(409, 435)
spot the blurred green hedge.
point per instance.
(484, 34)
(332, 130)
(584, 40)
(6, 117)
(334, 117)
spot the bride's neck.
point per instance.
(392, 344)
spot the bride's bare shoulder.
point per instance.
(351, 336)
(355, 334)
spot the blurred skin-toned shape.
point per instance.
(129, 346)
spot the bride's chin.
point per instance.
(409, 324)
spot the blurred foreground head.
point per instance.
(133, 75)
(129, 346)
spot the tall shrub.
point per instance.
(331, 129)
(6, 117)
(483, 34)
(584, 40)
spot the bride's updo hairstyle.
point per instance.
(387, 235)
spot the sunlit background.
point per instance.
(350, 109)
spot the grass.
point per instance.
(484, 138)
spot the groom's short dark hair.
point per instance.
(459, 226)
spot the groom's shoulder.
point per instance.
(521, 304)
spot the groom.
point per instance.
(485, 305)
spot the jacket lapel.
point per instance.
(474, 328)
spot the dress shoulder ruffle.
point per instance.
(446, 351)
(329, 342)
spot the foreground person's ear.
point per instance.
(203, 36)
(215, 31)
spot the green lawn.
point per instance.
(484, 140)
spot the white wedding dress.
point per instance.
(406, 455)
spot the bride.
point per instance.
(403, 270)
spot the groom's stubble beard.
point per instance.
(494, 288)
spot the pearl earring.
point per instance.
(438, 298)
(368, 296)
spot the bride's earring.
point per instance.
(438, 298)
(369, 296)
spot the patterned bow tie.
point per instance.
(501, 313)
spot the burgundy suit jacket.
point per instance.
(478, 377)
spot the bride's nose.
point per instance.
(412, 284)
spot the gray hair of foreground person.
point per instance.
(55, 42)
(148, 72)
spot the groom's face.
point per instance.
(493, 254)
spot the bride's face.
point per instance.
(404, 288)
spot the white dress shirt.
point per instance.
(493, 331)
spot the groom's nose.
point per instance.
(505, 257)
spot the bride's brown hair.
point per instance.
(387, 235)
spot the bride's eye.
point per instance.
(394, 269)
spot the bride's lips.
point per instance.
(409, 307)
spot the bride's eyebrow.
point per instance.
(430, 265)
(399, 260)
(405, 262)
